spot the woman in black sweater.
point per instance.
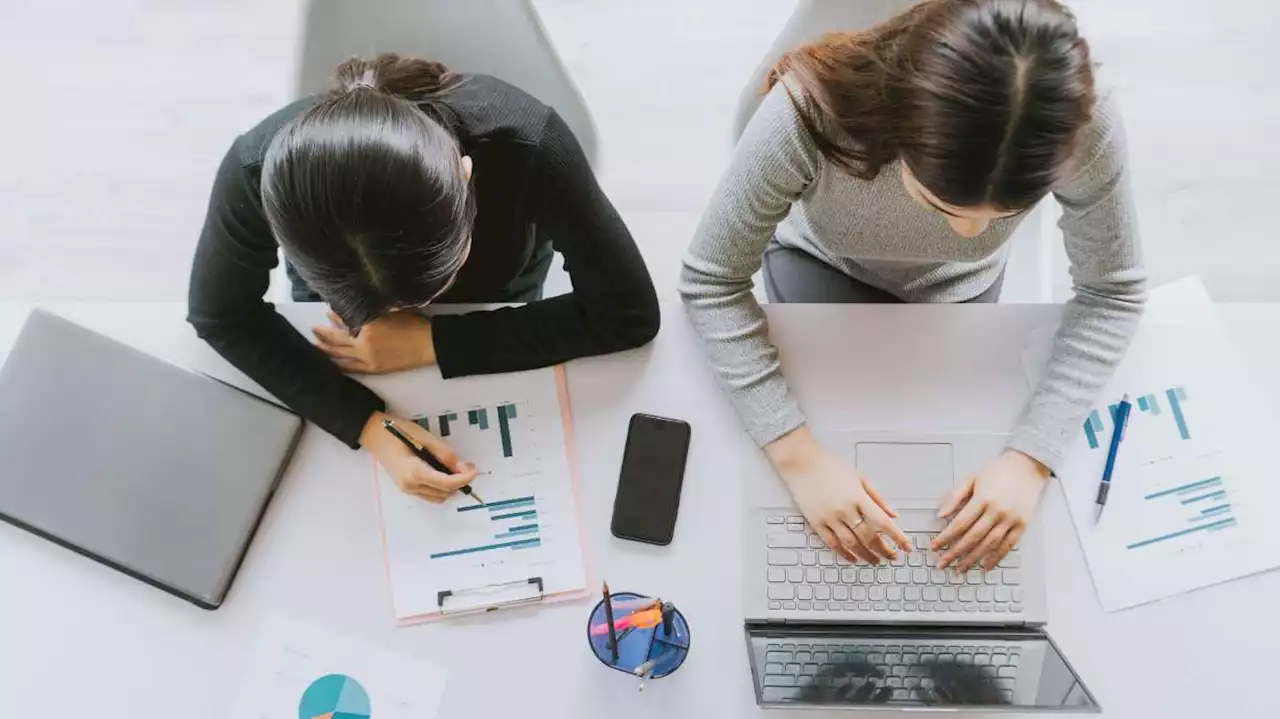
(409, 185)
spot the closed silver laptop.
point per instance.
(154, 470)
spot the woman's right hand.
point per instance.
(412, 475)
(839, 502)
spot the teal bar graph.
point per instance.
(1149, 405)
(515, 515)
(1203, 505)
(505, 504)
(445, 419)
(506, 413)
(1176, 396)
(1183, 532)
(1187, 488)
(518, 544)
(446, 424)
(1212, 495)
(1092, 427)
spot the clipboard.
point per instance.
(462, 600)
(490, 597)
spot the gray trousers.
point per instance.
(795, 276)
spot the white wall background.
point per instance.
(114, 114)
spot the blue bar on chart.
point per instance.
(1222, 524)
(517, 544)
(445, 419)
(1211, 495)
(522, 529)
(1188, 488)
(505, 504)
(1092, 426)
(478, 418)
(506, 413)
(1176, 396)
(1193, 497)
(1148, 403)
(515, 515)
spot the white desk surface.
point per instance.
(78, 639)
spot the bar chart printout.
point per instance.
(1190, 508)
(511, 428)
(1193, 488)
(446, 424)
(1148, 410)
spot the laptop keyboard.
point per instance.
(804, 575)
(872, 673)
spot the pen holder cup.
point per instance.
(666, 644)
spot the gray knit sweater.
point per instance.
(779, 186)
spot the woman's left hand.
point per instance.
(990, 511)
(398, 341)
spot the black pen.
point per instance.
(425, 455)
(613, 631)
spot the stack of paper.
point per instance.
(1192, 489)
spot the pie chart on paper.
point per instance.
(334, 696)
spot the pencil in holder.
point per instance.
(649, 652)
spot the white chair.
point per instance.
(1028, 273)
(503, 38)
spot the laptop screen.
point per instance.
(889, 667)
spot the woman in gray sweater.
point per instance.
(893, 165)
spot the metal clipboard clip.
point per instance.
(510, 594)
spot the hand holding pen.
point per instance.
(431, 479)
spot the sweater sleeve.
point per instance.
(774, 163)
(229, 277)
(613, 305)
(1110, 285)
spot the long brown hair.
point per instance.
(983, 100)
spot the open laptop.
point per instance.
(824, 632)
(149, 468)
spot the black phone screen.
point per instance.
(649, 485)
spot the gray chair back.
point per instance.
(503, 38)
(811, 20)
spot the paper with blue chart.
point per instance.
(1194, 484)
(303, 670)
(516, 429)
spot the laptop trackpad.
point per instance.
(907, 470)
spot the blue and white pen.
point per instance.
(1121, 420)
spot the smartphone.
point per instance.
(648, 496)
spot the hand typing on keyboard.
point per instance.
(990, 511)
(840, 504)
